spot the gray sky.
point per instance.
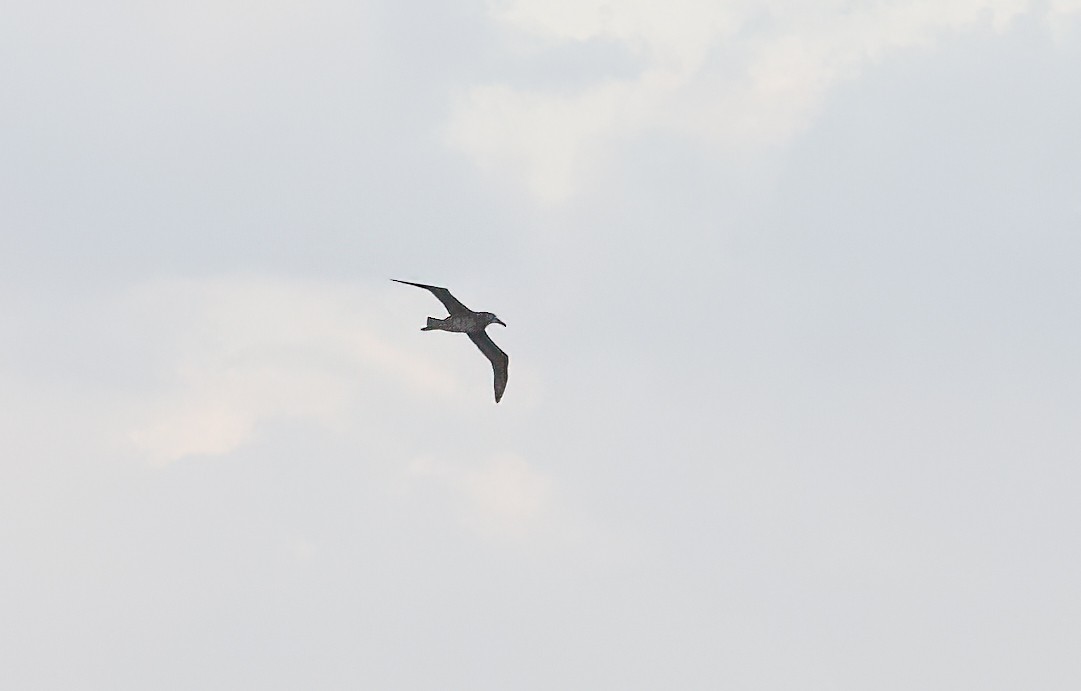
(792, 295)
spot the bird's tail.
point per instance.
(433, 324)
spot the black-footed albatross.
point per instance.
(464, 320)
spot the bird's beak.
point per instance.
(497, 321)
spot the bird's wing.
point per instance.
(448, 300)
(498, 357)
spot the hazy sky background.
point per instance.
(792, 293)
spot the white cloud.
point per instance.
(238, 352)
(734, 74)
(503, 496)
(1065, 7)
(214, 409)
(676, 35)
(507, 488)
(1062, 18)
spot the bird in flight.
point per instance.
(464, 320)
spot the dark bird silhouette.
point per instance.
(464, 320)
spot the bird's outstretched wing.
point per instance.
(498, 357)
(448, 300)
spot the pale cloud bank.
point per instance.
(735, 75)
(502, 496)
(238, 352)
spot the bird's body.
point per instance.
(471, 322)
(464, 320)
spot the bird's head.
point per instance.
(492, 319)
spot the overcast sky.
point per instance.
(792, 293)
